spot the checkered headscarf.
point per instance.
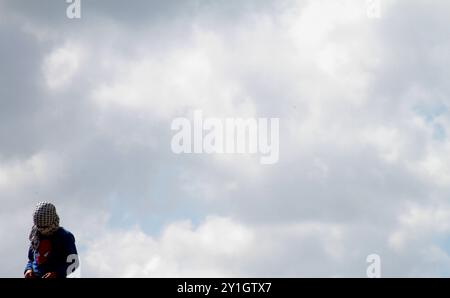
(46, 222)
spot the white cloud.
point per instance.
(187, 76)
(61, 65)
(181, 250)
(17, 174)
(420, 224)
(217, 246)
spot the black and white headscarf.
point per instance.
(46, 222)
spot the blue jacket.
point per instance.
(52, 254)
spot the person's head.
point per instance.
(45, 218)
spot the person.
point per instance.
(52, 248)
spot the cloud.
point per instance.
(363, 108)
(216, 247)
(181, 250)
(60, 66)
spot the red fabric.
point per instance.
(44, 250)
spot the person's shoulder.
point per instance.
(63, 233)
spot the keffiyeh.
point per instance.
(46, 222)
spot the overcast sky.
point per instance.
(86, 107)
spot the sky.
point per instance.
(86, 107)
